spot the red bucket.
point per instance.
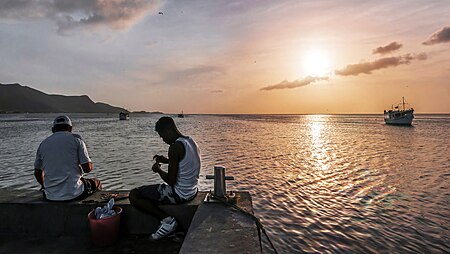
(105, 231)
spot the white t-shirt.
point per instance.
(60, 156)
(188, 170)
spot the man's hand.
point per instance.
(160, 159)
(156, 167)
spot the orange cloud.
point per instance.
(294, 84)
(440, 36)
(368, 67)
(393, 46)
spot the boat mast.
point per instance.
(403, 103)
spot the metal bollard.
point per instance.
(220, 188)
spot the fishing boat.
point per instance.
(399, 115)
(181, 115)
(124, 116)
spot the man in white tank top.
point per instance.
(180, 180)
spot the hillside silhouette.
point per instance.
(15, 98)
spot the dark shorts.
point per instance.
(161, 194)
(91, 185)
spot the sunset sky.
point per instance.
(232, 56)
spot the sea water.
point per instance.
(320, 183)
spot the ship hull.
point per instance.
(399, 117)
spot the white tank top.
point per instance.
(188, 170)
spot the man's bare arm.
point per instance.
(87, 167)
(161, 159)
(176, 153)
(39, 175)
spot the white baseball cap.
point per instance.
(62, 120)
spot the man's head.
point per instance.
(167, 130)
(62, 123)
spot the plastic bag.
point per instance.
(106, 211)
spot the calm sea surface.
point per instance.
(320, 184)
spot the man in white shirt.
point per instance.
(181, 178)
(61, 160)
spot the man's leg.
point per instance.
(92, 185)
(145, 199)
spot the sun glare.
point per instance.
(316, 63)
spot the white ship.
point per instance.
(399, 116)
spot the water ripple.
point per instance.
(320, 184)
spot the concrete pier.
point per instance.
(30, 224)
(26, 212)
(217, 228)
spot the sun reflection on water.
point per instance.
(318, 149)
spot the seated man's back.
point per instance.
(60, 161)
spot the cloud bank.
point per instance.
(440, 36)
(386, 62)
(294, 84)
(197, 71)
(393, 46)
(84, 14)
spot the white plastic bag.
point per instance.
(106, 211)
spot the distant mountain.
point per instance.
(145, 112)
(22, 99)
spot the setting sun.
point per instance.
(316, 63)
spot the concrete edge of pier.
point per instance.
(208, 227)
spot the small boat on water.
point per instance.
(399, 116)
(181, 115)
(124, 116)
